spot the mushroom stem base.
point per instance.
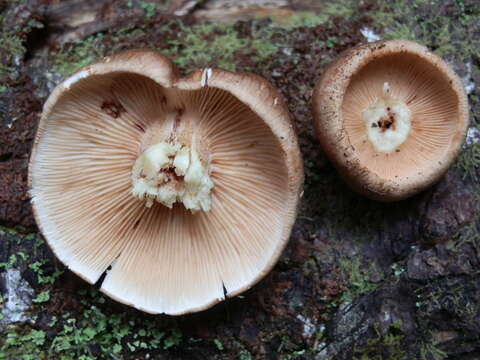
(171, 172)
(388, 123)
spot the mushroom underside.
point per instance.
(419, 93)
(162, 260)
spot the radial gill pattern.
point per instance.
(161, 260)
(428, 95)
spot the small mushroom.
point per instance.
(391, 116)
(182, 190)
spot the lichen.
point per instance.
(17, 299)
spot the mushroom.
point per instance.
(391, 117)
(181, 191)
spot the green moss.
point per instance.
(397, 270)
(298, 354)
(72, 335)
(174, 339)
(148, 7)
(244, 355)
(218, 345)
(194, 46)
(468, 234)
(11, 44)
(43, 276)
(73, 56)
(446, 35)
(93, 321)
(206, 45)
(431, 352)
(386, 345)
(199, 45)
(469, 162)
(12, 260)
(264, 48)
(42, 297)
(25, 344)
(340, 8)
(303, 18)
(309, 267)
(358, 282)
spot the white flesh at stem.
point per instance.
(169, 173)
(388, 122)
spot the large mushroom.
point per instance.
(182, 190)
(391, 116)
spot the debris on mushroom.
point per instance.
(391, 116)
(172, 192)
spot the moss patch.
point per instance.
(12, 49)
(206, 45)
(192, 46)
(91, 330)
(75, 55)
(357, 282)
(469, 162)
(454, 36)
(91, 333)
(189, 46)
(383, 346)
(12, 46)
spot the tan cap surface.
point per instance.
(419, 79)
(94, 126)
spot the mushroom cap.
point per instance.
(425, 83)
(159, 260)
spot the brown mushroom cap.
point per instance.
(424, 84)
(160, 260)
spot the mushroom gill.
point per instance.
(414, 119)
(171, 249)
(391, 116)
